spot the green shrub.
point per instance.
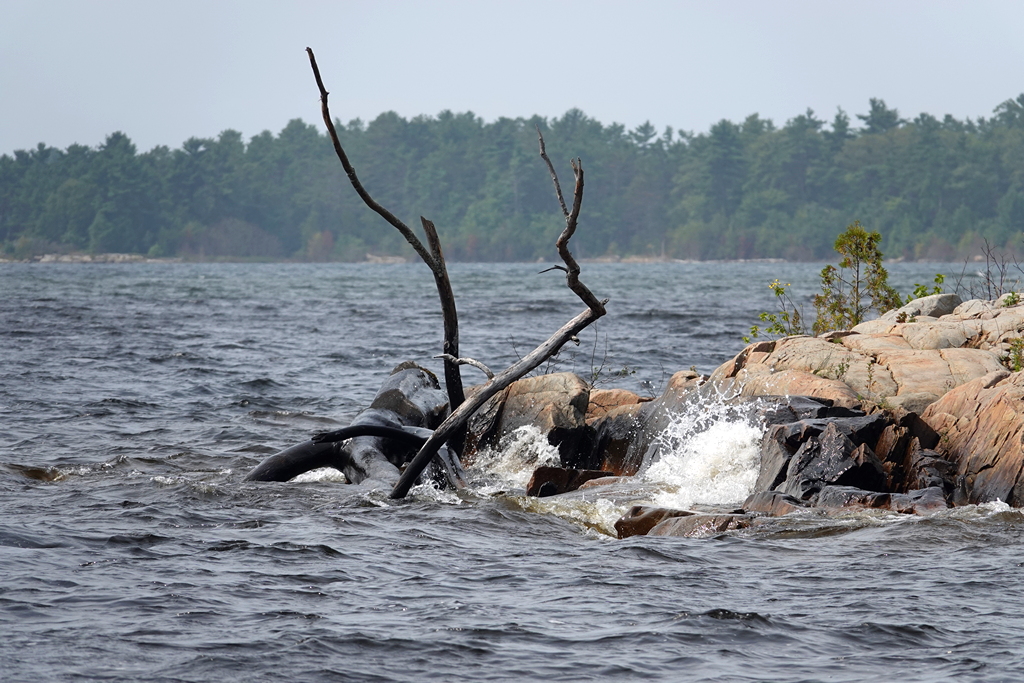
(858, 286)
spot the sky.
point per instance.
(162, 72)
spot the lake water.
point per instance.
(135, 398)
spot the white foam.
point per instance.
(321, 474)
(709, 455)
(512, 462)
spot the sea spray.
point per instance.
(511, 463)
(708, 455)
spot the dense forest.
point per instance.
(935, 189)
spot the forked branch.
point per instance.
(433, 257)
(456, 421)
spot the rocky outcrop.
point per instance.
(908, 358)
(909, 413)
(982, 428)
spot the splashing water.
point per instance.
(709, 455)
(512, 462)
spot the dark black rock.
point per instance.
(832, 458)
(613, 435)
(925, 468)
(775, 456)
(851, 497)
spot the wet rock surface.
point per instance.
(551, 481)
(641, 519)
(555, 404)
(701, 525)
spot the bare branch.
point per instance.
(555, 267)
(452, 375)
(554, 176)
(407, 233)
(572, 276)
(467, 361)
(434, 258)
(458, 418)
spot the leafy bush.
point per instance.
(786, 322)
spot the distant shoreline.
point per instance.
(389, 260)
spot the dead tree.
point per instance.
(595, 309)
(452, 430)
(434, 258)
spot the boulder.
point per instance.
(685, 380)
(773, 503)
(850, 497)
(982, 428)
(701, 525)
(604, 400)
(550, 481)
(934, 306)
(641, 519)
(556, 404)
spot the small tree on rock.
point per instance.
(857, 287)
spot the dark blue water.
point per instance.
(134, 398)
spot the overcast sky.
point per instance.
(73, 72)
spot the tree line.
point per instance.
(934, 188)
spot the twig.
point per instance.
(554, 176)
(467, 361)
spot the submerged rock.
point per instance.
(550, 481)
(920, 502)
(701, 525)
(641, 519)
